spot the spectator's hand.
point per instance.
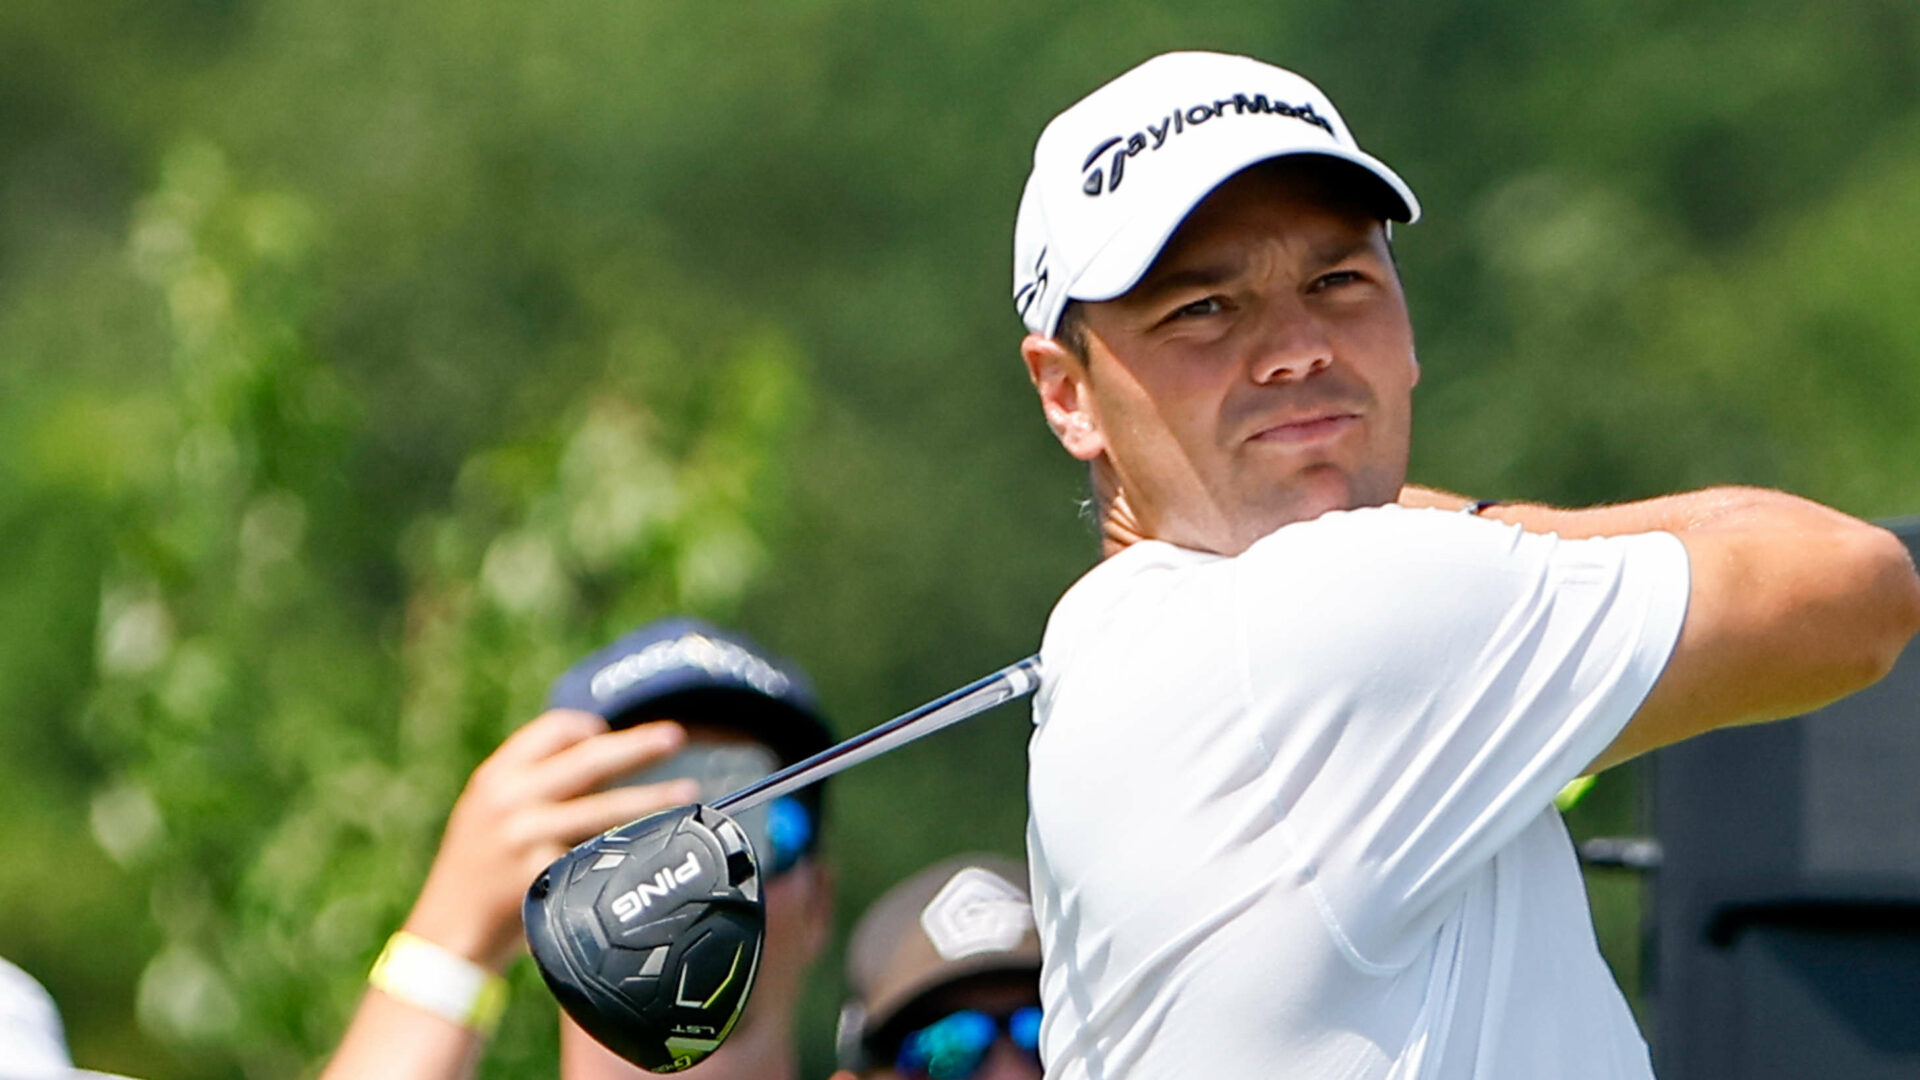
(543, 791)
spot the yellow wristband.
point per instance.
(426, 976)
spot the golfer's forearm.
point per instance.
(1711, 507)
(1792, 605)
(1721, 507)
(1833, 583)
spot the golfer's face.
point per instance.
(1261, 373)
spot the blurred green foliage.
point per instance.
(361, 364)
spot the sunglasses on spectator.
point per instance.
(955, 1046)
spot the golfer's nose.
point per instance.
(1293, 342)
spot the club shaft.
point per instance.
(1013, 681)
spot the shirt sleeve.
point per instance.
(1426, 682)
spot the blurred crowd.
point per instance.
(942, 969)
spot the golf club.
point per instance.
(649, 935)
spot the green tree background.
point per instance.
(361, 364)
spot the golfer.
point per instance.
(1296, 748)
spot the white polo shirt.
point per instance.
(1291, 811)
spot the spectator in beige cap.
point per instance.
(945, 975)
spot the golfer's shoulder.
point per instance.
(1443, 571)
(1137, 584)
(1395, 541)
(1393, 570)
(1353, 596)
(1143, 570)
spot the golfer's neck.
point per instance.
(1116, 537)
(1119, 528)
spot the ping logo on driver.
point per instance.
(637, 899)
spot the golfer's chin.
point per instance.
(1309, 494)
(1257, 505)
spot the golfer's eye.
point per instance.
(1337, 279)
(1211, 305)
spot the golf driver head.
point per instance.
(650, 935)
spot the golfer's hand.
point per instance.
(543, 791)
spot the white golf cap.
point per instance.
(1115, 174)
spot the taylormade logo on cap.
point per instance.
(1115, 174)
(722, 659)
(1177, 122)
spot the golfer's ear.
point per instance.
(1061, 381)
